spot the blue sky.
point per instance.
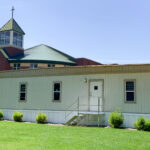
(108, 31)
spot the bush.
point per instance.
(147, 125)
(1, 115)
(116, 119)
(140, 123)
(41, 118)
(17, 116)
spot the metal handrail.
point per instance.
(77, 108)
(71, 105)
(91, 105)
(69, 113)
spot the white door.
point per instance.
(96, 89)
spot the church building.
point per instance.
(14, 56)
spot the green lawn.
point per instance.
(27, 136)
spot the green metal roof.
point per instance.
(4, 53)
(44, 54)
(12, 25)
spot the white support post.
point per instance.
(11, 38)
(65, 117)
(78, 111)
(98, 111)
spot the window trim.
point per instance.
(34, 65)
(51, 65)
(5, 38)
(16, 68)
(57, 101)
(17, 40)
(125, 100)
(20, 91)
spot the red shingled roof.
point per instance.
(85, 61)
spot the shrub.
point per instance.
(1, 115)
(116, 119)
(41, 118)
(17, 116)
(140, 123)
(147, 125)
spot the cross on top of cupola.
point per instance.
(11, 33)
(13, 9)
(12, 25)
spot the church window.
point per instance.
(16, 66)
(5, 38)
(51, 65)
(17, 39)
(33, 66)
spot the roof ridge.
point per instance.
(70, 57)
(54, 49)
(4, 53)
(88, 59)
(14, 21)
(33, 47)
(5, 24)
(12, 25)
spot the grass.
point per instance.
(28, 136)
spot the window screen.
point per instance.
(130, 91)
(32, 66)
(57, 91)
(23, 89)
(16, 66)
(5, 38)
(17, 39)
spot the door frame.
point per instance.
(95, 80)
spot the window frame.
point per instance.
(16, 68)
(125, 91)
(5, 38)
(25, 83)
(51, 65)
(34, 65)
(60, 82)
(17, 39)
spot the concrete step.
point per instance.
(75, 119)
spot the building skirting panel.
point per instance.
(129, 118)
(30, 115)
(60, 117)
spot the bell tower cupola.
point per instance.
(11, 34)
